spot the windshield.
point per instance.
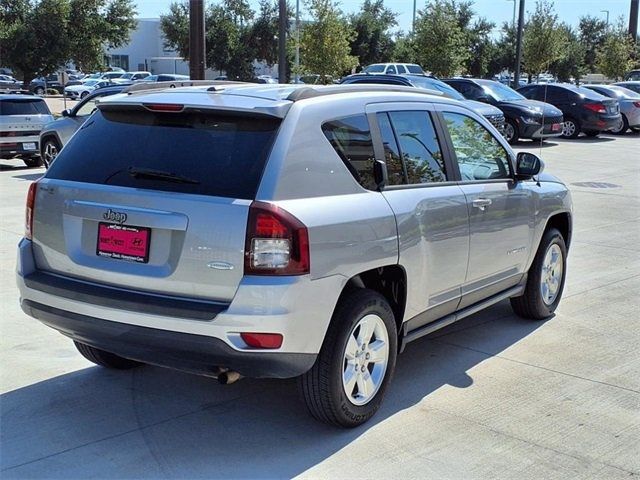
(127, 76)
(436, 85)
(24, 107)
(500, 92)
(91, 83)
(226, 154)
(375, 68)
(623, 92)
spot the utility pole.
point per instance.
(196, 39)
(297, 60)
(282, 41)
(516, 79)
(413, 25)
(607, 12)
(633, 19)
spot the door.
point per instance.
(430, 210)
(500, 209)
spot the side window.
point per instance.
(480, 156)
(391, 70)
(395, 170)
(88, 108)
(419, 147)
(401, 69)
(351, 139)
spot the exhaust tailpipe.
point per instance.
(228, 377)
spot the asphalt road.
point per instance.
(493, 396)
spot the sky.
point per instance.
(498, 11)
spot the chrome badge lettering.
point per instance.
(117, 217)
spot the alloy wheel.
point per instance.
(49, 153)
(568, 128)
(508, 132)
(551, 277)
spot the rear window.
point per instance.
(204, 154)
(414, 69)
(24, 107)
(351, 139)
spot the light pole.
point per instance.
(607, 12)
(282, 41)
(297, 60)
(513, 22)
(413, 25)
(516, 79)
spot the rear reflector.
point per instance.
(262, 340)
(31, 203)
(164, 107)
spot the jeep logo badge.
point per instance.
(117, 217)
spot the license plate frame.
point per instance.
(129, 243)
(29, 146)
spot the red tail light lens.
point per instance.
(262, 340)
(277, 243)
(164, 107)
(595, 107)
(31, 204)
(636, 104)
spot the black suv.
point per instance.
(523, 118)
(584, 110)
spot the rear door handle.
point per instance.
(481, 203)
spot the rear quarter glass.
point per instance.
(225, 155)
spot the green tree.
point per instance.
(481, 48)
(404, 49)
(372, 42)
(592, 32)
(504, 51)
(542, 43)
(325, 42)
(263, 36)
(615, 57)
(440, 43)
(571, 62)
(175, 28)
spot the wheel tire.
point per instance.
(105, 359)
(323, 387)
(622, 127)
(38, 90)
(84, 94)
(49, 151)
(531, 303)
(511, 133)
(32, 162)
(570, 128)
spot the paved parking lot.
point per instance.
(493, 396)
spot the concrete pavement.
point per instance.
(493, 396)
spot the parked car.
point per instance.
(166, 77)
(21, 119)
(491, 113)
(523, 118)
(584, 110)
(631, 85)
(56, 134)
(132, 77)
(629, 103)
(40, 85)
(320, 262)
(9, 83)
(81, 91)
(633, 75)
(393, 68)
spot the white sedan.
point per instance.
(81, 91)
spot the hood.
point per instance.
(534, 107)
(483, 109)
(547, 177)
(77, 88)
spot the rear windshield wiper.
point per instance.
(160, 175)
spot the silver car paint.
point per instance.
(425, 230)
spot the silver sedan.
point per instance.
(629, 105)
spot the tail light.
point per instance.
(595, 107)
(277, 243)
(636, 104)
(31, 204)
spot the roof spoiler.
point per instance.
(311, 92)
(137, 87)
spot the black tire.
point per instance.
(511, 133)
(531, 304)
(567, 131)
(105, 359)
(49, 150)
(592, 133)
(322, 386)
(623, 128)
(38, 90)
(84, 94)
(32, 162)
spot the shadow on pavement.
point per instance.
(29, 176)
(152, 422)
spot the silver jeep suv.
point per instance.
(286, 231)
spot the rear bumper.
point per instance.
(601, 123)
(192, 353)
(10, 150)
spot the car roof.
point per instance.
(378, 77)
(269, 99)
(18, 96)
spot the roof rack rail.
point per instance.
(312, 92)
(136, 87)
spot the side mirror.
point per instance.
(528, 165)
(483, 99)
(66, 113)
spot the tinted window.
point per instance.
(433, 84)
(401, 69)
(414, 69)
(391, 70)
(419, 147)
(24, 107)
(222, 155)
(480, 156)
(351, 139)
(375, 68)
(395, 170)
